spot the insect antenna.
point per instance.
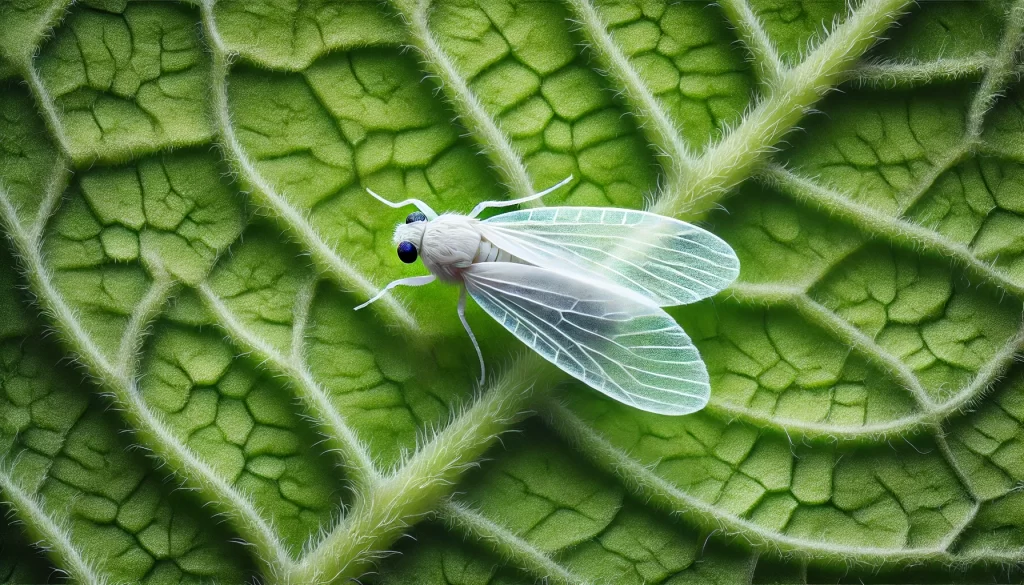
(486, 204)
(426, 209)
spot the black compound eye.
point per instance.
(407, 252)
(416, 216)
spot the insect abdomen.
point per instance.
(488, 252)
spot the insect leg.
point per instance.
(486, 204)
(411, 281)
(462, 317)
(427, 211)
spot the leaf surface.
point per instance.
(182, 187)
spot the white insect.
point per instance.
(581, 286)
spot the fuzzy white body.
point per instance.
(449, 244)
(584, 287)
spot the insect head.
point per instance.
(407, 250)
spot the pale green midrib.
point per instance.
(47, 528)
(507, 545)
(304, 299)
(416, 487)
(731, 160)
(768, 65)
(647, 484)
(962, 476)
(158, 437)
(481, 125)
(145, 313)
(22, 62)
(346, 275)
(46, 106)
(340, 436)
(820, 431)
(655, 120)
(1002, 68)
(907, 74)
(896, 230)
(60, 178)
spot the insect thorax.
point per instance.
(449, 244)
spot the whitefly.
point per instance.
(584, 287)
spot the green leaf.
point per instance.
(182, 189)
(70, 475)
(129, 83)
(293, 34)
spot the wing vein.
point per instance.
(665, 260)
(616, 342)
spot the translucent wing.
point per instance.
(612, 339)
(666, 260)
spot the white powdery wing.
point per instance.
(666, 260)
(610, 338)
